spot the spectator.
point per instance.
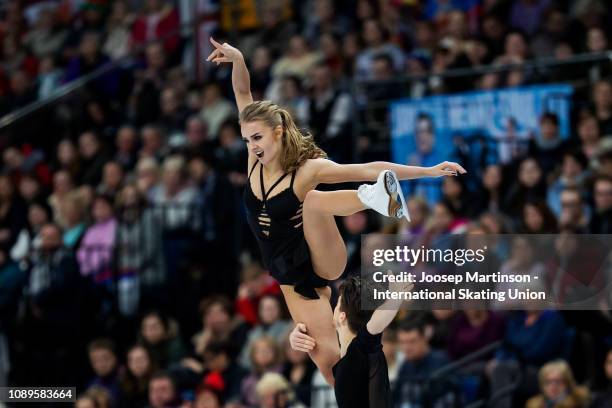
(573, 210)
(67, 158)
(472, 330)
(147, 176)
(588, 132)
(158, 21)
(602, 99)
(12, 213)
(152, 140)
(532, 338)
(215, 109)
(39, 214)
(125, 147)
(53, 311)
(12, 282)
(219, 324)
(489, 196)
(328, 112)
(140, 263)
(207, 398)
(604, 399)
(117, 42)
(574, 171)
(273, 391)
(392, 353)
(547, 146)
(72, 214)
(265, 358)
(558, 388)
(103, 360)
(376, 40)
(162, 392)
(420, 360)
(96, 251)
(134, 381)
(271, 324)
(219, 362)
(602, 193)
(537, 218)
(160, 336)
(298, 369)
(530, 185)
(112, 179)
(92, 159)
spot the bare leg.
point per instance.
(327, 249)
(318, 317)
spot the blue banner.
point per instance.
(423, 131)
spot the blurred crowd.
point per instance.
(126, 265)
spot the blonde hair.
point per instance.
(297, 147)
(557, 366)
(273, 382)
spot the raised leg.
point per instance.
(327, 249)
(318, 317)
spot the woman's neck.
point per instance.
(272, 169)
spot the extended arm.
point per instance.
(386, 312)
(241, 82)
(329, 172)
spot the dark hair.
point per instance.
(221, 300)
(217, 347)
(163, 318)
(579, 156)
(160, 375)
(383, 56)
(350, 304)
(550, 117)
(408, 325)
(102, 344)
(602, 177)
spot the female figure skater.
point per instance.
(294, 223)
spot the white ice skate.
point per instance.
(385, 196)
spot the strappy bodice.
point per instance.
(276, 217)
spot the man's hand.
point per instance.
(446, 169)
(300, 341)
(224, 53)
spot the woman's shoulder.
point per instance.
(535, 402)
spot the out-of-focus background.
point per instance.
(126, 265)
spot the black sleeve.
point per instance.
(368, 343)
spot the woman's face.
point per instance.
(608, 366)
(443, 218)
(492, 177)
(138, 361)
(62, 182)
(532, 217)
(269, 310)
(66, 152)
(521, 251)
(207, 399)
(216, 318)
(554, 385)
(451, 188)
(529, 173)
(37, 217)
(153, 329)
(262, 141)
(102, 210)
(263, 354)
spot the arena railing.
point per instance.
(371, 113)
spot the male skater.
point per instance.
(361, 375)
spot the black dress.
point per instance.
(277, 226)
